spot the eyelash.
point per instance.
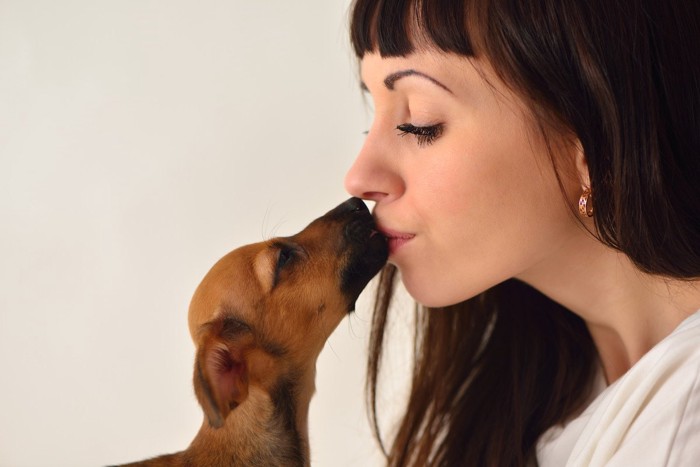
(425, 135)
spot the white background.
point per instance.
(140, 140)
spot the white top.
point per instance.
(648, 417)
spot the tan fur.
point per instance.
(259, 328)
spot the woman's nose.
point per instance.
(373, 176)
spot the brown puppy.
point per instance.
(259, 320)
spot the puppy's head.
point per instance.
(267, 309)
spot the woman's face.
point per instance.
(464, 186)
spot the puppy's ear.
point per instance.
(221, 370)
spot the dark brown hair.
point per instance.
(493, 373)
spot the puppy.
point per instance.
(259, 320)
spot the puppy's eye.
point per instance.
(284, 256)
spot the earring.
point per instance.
(585, 203)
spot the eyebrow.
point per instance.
(391, 79)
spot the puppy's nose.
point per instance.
(353, 205)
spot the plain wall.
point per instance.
(140, 140)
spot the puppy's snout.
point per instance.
(358, 224)
(366, 251)
(360, 229)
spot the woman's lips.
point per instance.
(395, 239)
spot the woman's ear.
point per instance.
(581, 165)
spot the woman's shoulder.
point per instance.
(650, 416)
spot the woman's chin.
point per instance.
(430, 296)
(435, 292)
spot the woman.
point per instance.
(535, 166)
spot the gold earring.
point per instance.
(585, 203)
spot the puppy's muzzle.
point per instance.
(365, 248)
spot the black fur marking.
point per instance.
(284, 401)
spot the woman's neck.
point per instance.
(627, 312)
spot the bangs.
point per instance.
(387, 26)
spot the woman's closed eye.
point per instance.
(425, 135)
